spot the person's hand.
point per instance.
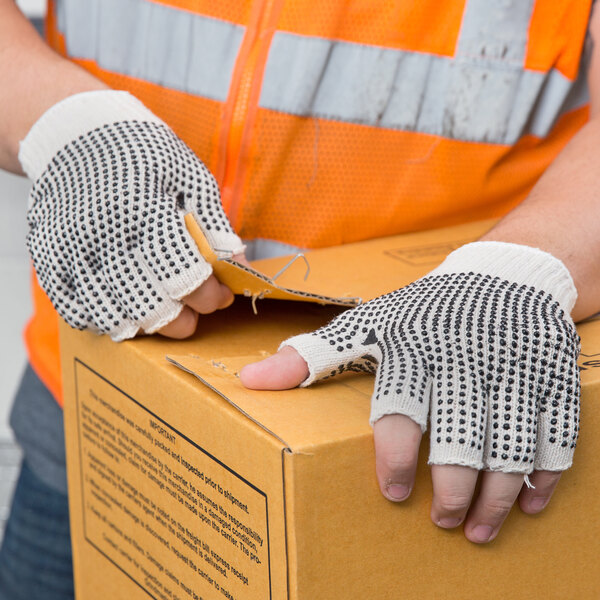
(209, 297)
(484, 349)
(112, 184)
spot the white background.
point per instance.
(32, 8)
(15, 303)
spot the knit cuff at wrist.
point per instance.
(72, 117)
(516, 263)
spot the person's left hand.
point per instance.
(485, 350)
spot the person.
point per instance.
(322, 125)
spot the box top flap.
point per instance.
(248, 281)
(339, 408)
(300, 418)
(341, 275)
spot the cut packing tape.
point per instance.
(246, 281)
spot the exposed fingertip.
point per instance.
(256, 375)
(227, 297)
(183, 326)
(449, 522)
(538, 503)
(245, 375)
(534, 505)
(241, 258)
(481, 534)
(396, 492)
(284, 370)
(536, 498)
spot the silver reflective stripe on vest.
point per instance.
(575, 95)
(150, 41)
(482, 94)
(495, 29)
(261, 248)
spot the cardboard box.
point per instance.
(185, 485)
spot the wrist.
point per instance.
(516, 263)
(73, 117)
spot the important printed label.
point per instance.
(176, 520)
(589, 361)
(432, 254)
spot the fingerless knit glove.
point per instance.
(483, 348)
(112, 184)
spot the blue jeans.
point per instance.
(35, 558)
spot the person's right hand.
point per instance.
(112, 184)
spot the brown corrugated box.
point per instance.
(186, 485)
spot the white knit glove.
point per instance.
(107, 237)
(483, 347)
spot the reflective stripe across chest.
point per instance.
(483, 93)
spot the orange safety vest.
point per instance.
(332, 122)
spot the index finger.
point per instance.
(210, 296)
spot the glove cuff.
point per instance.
(316, 354)
(72, 117)
(519, 264)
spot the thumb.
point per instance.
(308, 357)
(282, 371)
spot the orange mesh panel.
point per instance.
(232, 11)
(194, 119)
(556, 35)
(425, 26)
(318, 183)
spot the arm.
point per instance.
(34, 78)
(560, 214)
